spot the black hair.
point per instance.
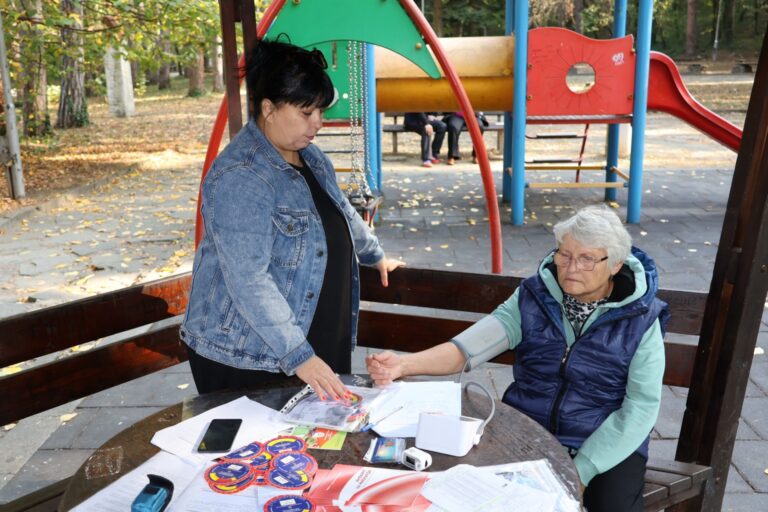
(284, 73)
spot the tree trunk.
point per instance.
(117, 71)
(196, 73)
(437, 17)
(164, 73)
(217, 65)
(691, 31)
(578, 7)
(73, 109)
(34, 79)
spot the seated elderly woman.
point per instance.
(587, 331)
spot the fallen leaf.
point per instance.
(183, 386)
(66, 417)
(9, 426)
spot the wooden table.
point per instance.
(509, 437)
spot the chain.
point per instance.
(358, 185)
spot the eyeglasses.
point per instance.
(583, 262)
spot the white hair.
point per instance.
(597, 227)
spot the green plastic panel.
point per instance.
(380, 22)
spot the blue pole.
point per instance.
(506, 179)
(612, 158)
(639, 110)
(518, 107)
(373, 148)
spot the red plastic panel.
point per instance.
(553, 51)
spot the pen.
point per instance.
(369, 426)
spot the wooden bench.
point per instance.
(408, 327)
(495, 124)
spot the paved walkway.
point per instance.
(139, 227)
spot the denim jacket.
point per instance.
(259, 268)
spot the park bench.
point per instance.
(419, 309)
(495, 124)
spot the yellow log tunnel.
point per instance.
(484, 65)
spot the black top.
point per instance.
(330, 333)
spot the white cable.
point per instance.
(481, 428)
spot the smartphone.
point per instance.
(220, 435)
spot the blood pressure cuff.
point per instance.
(483, 341)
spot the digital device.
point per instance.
(416, 459)
(220, 435)
(452, 435)
(155, 496)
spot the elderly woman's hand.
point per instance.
(385, 266)
(384, 367)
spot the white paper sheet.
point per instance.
(118, 496)
(467, 488)
(260, 423)
(416, 397)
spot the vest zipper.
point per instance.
(561, 392)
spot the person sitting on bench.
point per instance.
(426, 125)
(456, 123)
(587, 330)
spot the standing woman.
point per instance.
(275, 282)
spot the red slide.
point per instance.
(668, 93)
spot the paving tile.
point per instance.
(736, 484)
(44, 468)
(755, 413)
(748, 502)
(670, 415)
(751, 459)
(160, 389)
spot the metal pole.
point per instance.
(639, 110)
(12, 134)
(520, 22)
(612, 157)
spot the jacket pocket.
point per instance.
(290, 237)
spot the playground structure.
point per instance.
(524, 72)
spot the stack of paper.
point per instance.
(408, 400)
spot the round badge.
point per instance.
(259, 478)
(261, 462)
(285, 444)
(228, 473)
(233, 488)
(289, 503)
(295, 461)
(295, 480)
(246, 452)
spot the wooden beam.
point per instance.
(482, 293)
(45, 331)
(229, 11)
(734, 308)
(50, 385)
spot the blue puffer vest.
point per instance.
(572, 391)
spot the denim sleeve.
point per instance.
(239, 206)
(624, 430)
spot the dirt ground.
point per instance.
(178, 127)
